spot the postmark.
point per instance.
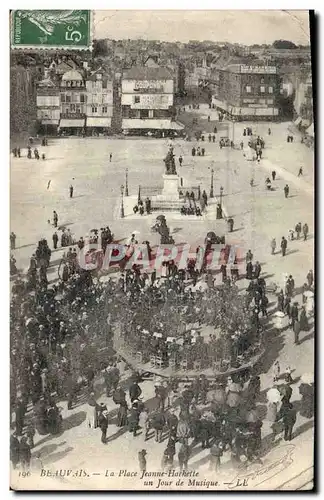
(51, 29)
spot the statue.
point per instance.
(170, 167)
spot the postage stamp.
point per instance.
(51, 29)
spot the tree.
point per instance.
(284, 44)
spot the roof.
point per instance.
(72, 75)
(147, 73)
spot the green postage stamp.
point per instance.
(55, 29)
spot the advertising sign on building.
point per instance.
(148, 101)
(269, 70)
(148, 86)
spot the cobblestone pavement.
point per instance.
(259, 216)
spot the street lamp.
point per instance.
(122, 211)
(126, 182)
(139, 194)
(211, 194)
(221, 196)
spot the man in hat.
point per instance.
(283, 246)
(286, 190)
(134, 391)
(71, 191)
(103, 424)
(55, 240)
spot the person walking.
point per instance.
(55, 240)
(281, 301)
(103, 425)
(283, 246)
(286, 191)
(216, 452)
(290, 286)
(71, 189)
(183, 456)
(288, 415)
(276, 371)
(273, 245)
(14, 450)
(305, 231)
(180, 160)
(298, 229)
(142, 460)
(110, 157)
(310, 278)
(273, 173)
(55, 218)
(24, 454)
(12, 241)
(294, 314)
(300, 172)
(134, 391)
(303, 320)
(133, 420)
(158, 422)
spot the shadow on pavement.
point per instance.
(73, 420)
(57, 456)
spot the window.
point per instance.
(82, 98)
(72, 107)
(68, 98)
(137, 99)
(151, 114)
(68, 83)
(269, 101)
(270, 90)
(262, 89)
(62, 97)
(248, 89)
(94, 109)
(104, 109)
(262, 80)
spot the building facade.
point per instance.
(48, 106)
(247, 92)
(147, 95)
(99, 103)
(73, 98)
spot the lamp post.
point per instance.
(122, 211)
(211, 194)
(221, 197)
(139, 194)
(126, 182)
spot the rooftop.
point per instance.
(147, 73)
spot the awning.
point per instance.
(77, 122)
(310, 130)
(139, 123)
(98, 121)
(297, 121)
(50, 122)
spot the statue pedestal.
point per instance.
(170, 187)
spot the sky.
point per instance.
(246, 27)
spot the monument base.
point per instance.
(170, 187)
